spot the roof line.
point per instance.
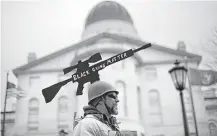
(96, 38)
(56, 54)
(154, 46)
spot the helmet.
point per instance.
(98, 89)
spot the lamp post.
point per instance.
(178, 74)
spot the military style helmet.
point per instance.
(98, 89)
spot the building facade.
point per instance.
(149, 102)
(210, 97)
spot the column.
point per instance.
(21, 117)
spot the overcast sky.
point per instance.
(46, 26)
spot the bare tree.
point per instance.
(211, 52)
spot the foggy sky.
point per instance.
(46, 26)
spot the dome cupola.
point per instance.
(111, 17)
(108, 10)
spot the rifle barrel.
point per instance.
(141, 48)
(68, 69)
(50, 92)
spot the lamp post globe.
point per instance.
(178, 75)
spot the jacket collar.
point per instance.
(90, 110)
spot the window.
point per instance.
(14, 105)
(122, 107)
(155, 107)
(62, 112)
(63, 104)
(213, 127)
(34, 81)
(211, 110)
(151, 73)
(139, 102)
(33, 114)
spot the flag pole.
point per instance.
(192, 99)
(5, 104)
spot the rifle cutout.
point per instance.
(85, 73)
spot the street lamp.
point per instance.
(178, 74)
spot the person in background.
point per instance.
(62, 133)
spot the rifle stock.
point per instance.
(50, 92)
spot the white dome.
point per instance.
(109, 16)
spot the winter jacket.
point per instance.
(94, 123)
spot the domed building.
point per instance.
(149, 102)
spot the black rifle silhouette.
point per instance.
(86, 74)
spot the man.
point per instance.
(102, 104)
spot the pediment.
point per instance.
(104, 43)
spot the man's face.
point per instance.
(111, 100)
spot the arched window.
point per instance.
(33, 114)
(62, 112)
(155, 107)
(122, 105)
(213, 127)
